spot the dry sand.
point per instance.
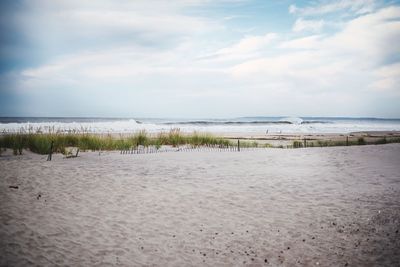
(332, 206)
(288, 138)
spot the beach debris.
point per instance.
(39, 196)
(13, 187)
(265, 260)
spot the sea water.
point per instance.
(270, 125)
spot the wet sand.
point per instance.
(336, 206)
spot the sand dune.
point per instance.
(334, 206)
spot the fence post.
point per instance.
(51, 151)
(238, 145)
(347, 140)
(305, 142)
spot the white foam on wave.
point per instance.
(130, 126)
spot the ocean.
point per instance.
(272, 125)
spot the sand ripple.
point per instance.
(320, 206)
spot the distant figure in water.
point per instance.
(266, 132)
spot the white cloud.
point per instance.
(308, 25)
(387, 79)
(308, 42)
(292, 9)
(325, 7)
(141, 49)
(369, 38)
(246, 46)
(350, 59)
(73, 25)
(315, 63)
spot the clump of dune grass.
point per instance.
(361, 141)
(381, 141)
(267, 145)
(16, 142)
(297, 144)
(355, 142)
(41, 143)
(140, 139)
(175, 138)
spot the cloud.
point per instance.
(308, 25)
(180, 57)
(353, 58)
(308, 42)
(326, 7)
(42, 30)
(387, 79)
(248, 46)
(370, 38)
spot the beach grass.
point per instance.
(41, 142)
(355, 142)
(58, 142)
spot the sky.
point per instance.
(200, 58)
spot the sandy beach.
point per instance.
(335, 206)
(288, 138)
